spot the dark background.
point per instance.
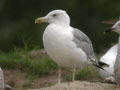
(17, 20)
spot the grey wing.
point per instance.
(83, 41)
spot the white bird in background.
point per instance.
(109, 58)
(67, 46)
(116, 28)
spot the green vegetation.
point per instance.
(88, 73)
(19, 58)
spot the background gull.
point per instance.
(116, 28)
(109, 58)
(67, 46)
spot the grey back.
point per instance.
(82, 41)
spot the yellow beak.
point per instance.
(41, 19)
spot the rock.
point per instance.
(1, 80)
(7, 87)
(82, 85)
(2, 85)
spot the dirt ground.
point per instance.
(82, 85)
(19, 81)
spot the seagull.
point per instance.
(116, 28)
(109, 58)
(67, 46)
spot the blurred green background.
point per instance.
(17, 20)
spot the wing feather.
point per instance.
(82, 41)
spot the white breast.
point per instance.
(109, 58)
(60, 47)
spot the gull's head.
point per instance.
(55, 17)
(114, 28)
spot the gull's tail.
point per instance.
(100, 64)
(103, 64)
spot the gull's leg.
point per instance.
(59, 74)
(73, 74)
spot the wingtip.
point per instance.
(103, 64)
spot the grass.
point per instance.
(19, 59)
(88, 73)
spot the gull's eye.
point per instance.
(54, 15)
